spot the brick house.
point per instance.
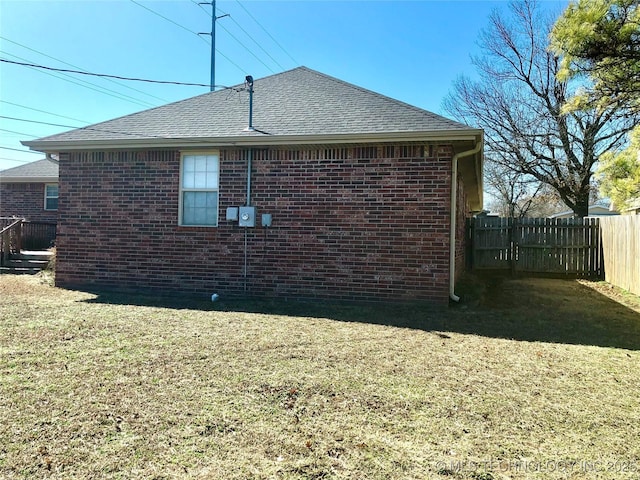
(30, 191)
(326, 190)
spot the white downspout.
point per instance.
(454, 208)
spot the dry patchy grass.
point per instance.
(525, 384)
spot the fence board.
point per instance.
(537, 245)
(38, 235)
(491, 242)
(621, 251)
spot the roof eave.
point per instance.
(251, 138)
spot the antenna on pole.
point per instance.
(249, 82)
(213, 39)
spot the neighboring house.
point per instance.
(595, 210)
(30, 191)
(354, 195)
(632, 207)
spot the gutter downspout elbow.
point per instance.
(452, 219)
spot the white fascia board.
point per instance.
(252, 139)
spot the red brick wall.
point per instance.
(25, 200)
(348, 223)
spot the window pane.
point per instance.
(201, 163)
(188, 199)
(199, 208)
(201, 199)
(200, 171)
(199, 216)
(189, 164)
(51, 204)
(188, 216)
(200, 180)
(212, 179)
(52, 190)
(188, 180)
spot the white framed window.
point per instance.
(199, 176)
(51, 196)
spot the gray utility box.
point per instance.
(247, 217)
(232, 214)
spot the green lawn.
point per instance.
(529, 379)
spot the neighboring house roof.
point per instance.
(594, 211)
(297, 106)
(40, 171)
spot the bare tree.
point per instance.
(513, 194)
(518, 101)
(508, 190)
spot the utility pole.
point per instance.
(213, 40)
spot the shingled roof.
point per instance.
(297, 106)
(44, 170)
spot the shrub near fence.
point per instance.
(621, 251)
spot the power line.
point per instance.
(201, 8)
(246, 48)
(18, 133)
(18, 150)
(245, 32)
(257, 43)
(42, 111)
(104, 75)
(90, 86)
(79, 68)
(267, 32)
(236, 38)
(66, 126)
(231, 61)
(103, 130)
(169, 20)
(94, 129)
(190, 31)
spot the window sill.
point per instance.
(191, 228)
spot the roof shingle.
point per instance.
(299, 102)
(40, 169)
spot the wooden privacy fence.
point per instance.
(621, 251)
(537, 245)
(38, 235)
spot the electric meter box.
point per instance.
(247, 217)
(232, 214)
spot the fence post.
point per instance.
(512, 244)
(19, 237)
(4, 247)
(469, 244)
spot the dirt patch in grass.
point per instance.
(110, 386)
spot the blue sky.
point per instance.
(408, 50)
